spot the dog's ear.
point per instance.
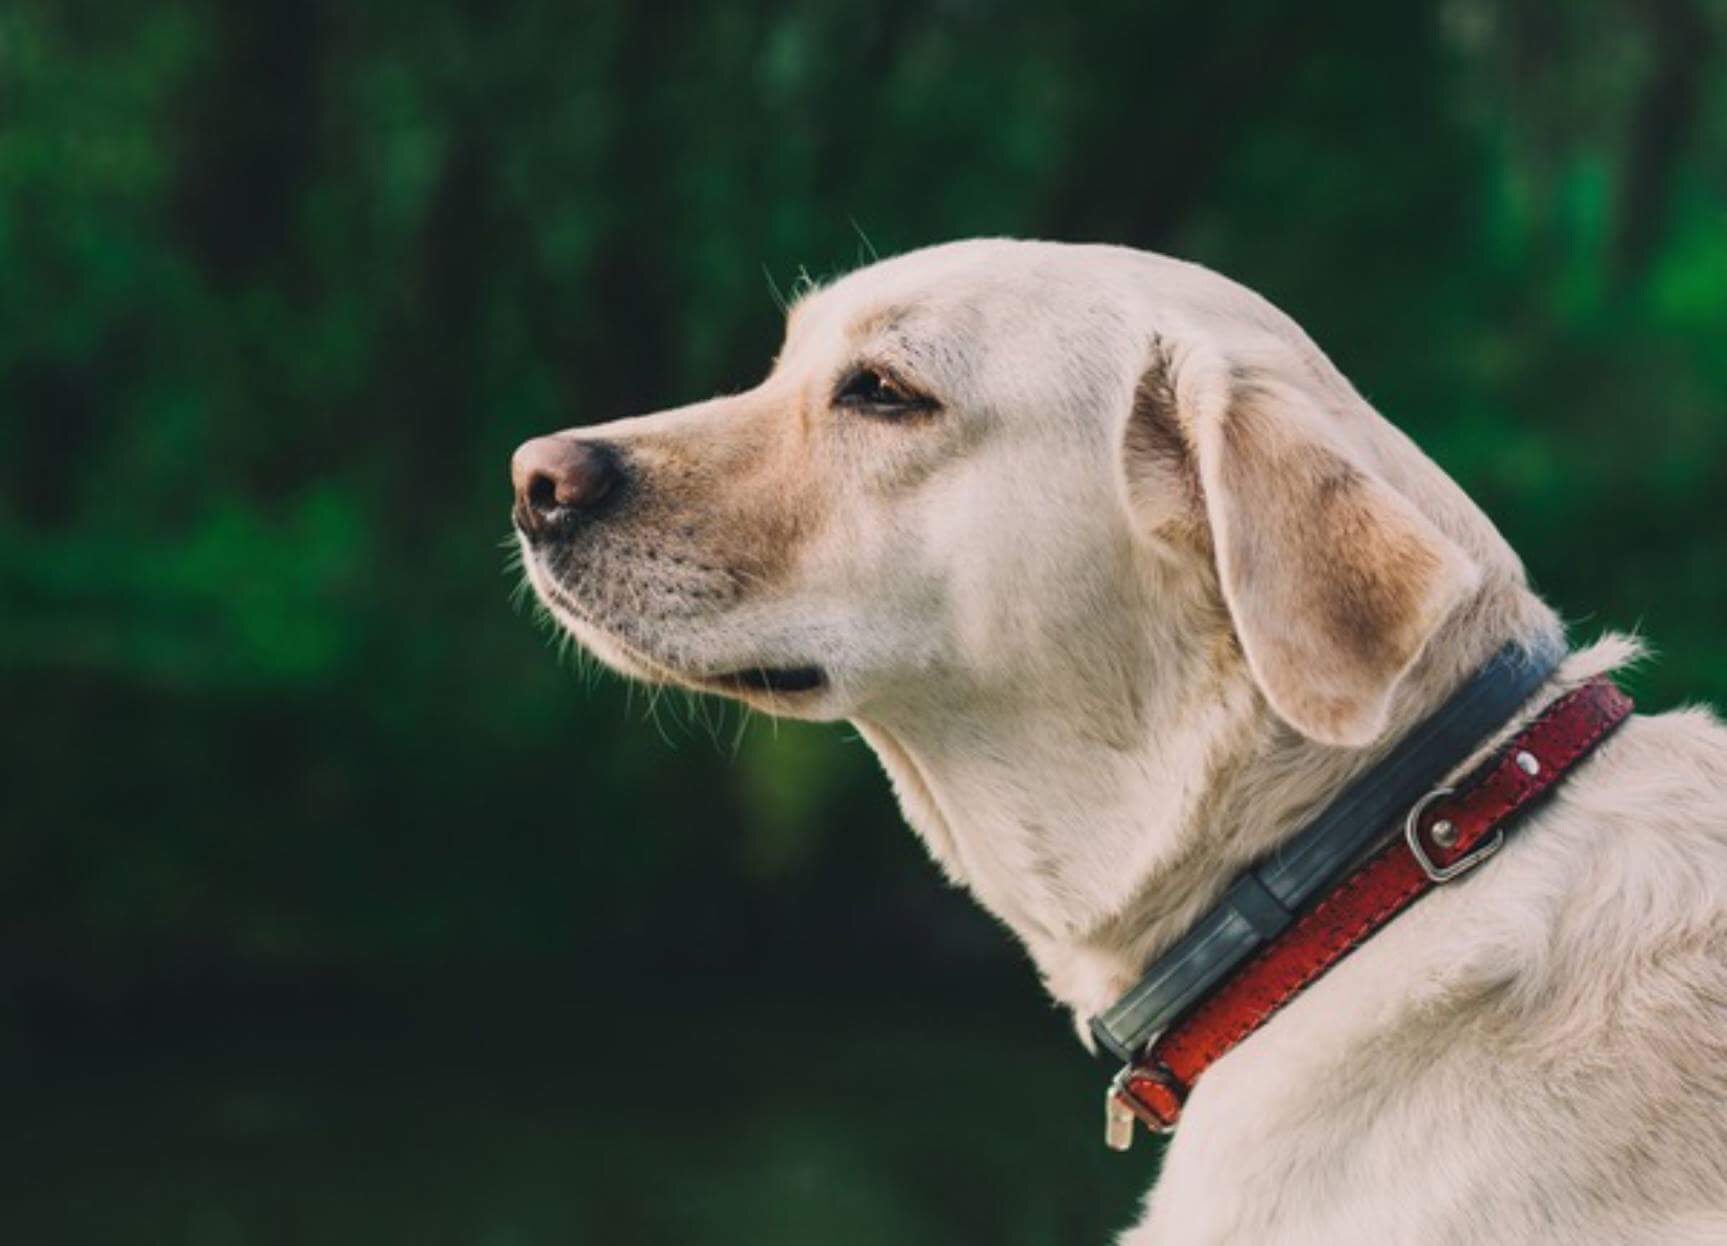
(1333, 580)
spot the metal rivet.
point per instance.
(1527, 764)
(1444, 833)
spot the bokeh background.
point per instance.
(334, 907)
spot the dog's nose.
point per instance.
(558, 479)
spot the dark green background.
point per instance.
(333, 906)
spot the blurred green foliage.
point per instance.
(283, 283)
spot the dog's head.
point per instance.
(995, 465)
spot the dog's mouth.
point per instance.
(780, 681)
(629, 653)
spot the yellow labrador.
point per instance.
(1122, 579)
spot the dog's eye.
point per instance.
(874, 390)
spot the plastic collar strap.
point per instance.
(1264, 900)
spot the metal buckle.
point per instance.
(1118, 1118)
(1465, 863)
(1119, 1114)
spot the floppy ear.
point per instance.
(1333, 580)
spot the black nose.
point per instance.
(558, 479)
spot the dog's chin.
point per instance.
(790, 689)
(800, 690)
(793, 691)
(776, 684)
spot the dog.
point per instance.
(1122, 580)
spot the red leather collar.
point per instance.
(1446, 833)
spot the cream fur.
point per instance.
(1150, 586)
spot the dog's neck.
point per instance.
(1099, 824)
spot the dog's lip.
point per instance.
(782, 681)
(777, 680)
